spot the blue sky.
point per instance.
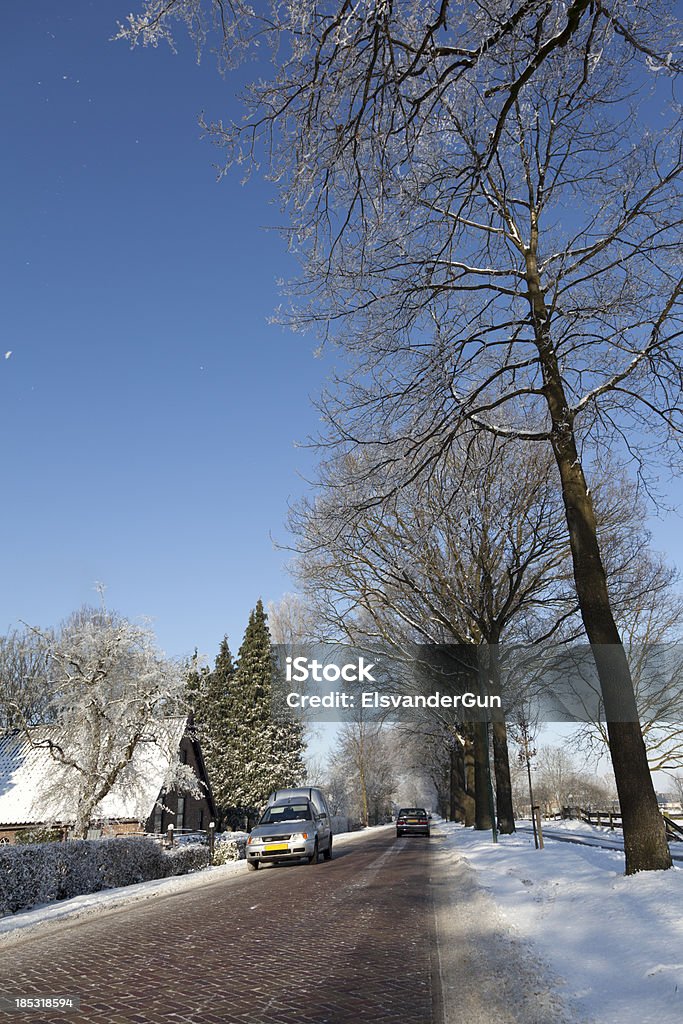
(148, 411)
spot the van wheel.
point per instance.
(252, 865)
(313, 859)
(328, 852)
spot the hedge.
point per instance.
(46, 872)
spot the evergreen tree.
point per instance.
(207, 693)
(261, 753)
(195, 688)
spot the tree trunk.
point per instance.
(644, 832)
(645, 841)
(363, 794)
(501, 767)
(458, 796)
(470, 782)
(481, 777)
(501, 758)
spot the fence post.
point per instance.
(536, 811)
(611, 821)
(212, 831)
(169, 835)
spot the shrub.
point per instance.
(229, 848)
(125, 861)
(26, 877)
(45, 872)
(189, 857)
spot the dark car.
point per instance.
(412, 821)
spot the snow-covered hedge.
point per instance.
(44, 872)
(181, 859)
(230, 846)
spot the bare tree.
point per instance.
(108, 687)
(393, 64)
(24, 689)
(363, 754)
(465, 557)
(559, 783)
(291, 621)
(423, 765)
(650, 616)
(677, 783)
(492, 222)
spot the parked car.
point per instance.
(291, 828)
(413, 821)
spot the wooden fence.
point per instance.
(612, 819)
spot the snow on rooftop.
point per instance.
(27, 777)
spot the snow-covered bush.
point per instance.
(76, 869)
(189, 857)
(190, 838)
(26, 876)
(125, 861)
(44, 872)
(341, 823)
(230, 846)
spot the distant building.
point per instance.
(140, 801)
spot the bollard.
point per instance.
(536, 811)
(169, 835)
(212, 831)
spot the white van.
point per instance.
(295, 825)
(323, 816)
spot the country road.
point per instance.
(345, 940)
(388, 930)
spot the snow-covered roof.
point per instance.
(28, 794)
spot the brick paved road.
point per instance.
(341, 941)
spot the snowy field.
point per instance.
(616, 942)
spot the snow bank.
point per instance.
(617, 941)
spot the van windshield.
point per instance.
(288, 812)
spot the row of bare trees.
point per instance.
(486, 200)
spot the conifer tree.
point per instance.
(207, 693)
(261, 753)
(195, 688)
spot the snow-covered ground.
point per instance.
(616, 942)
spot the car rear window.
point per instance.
(412, 812)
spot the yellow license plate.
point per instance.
(412, 821)
(276, 846)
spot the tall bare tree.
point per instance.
(492, 221)
(460, 558)
(363, 754)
